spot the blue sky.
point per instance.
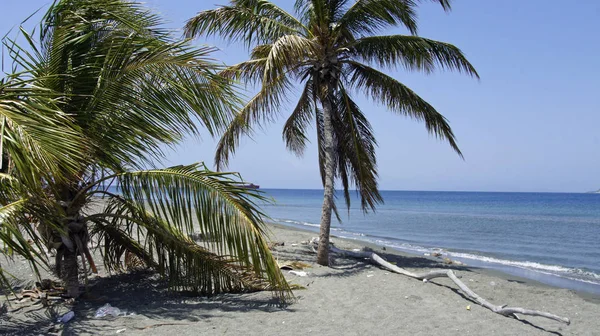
(530, 124)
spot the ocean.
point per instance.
(553, 238)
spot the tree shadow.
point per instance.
(32, 320)
(459, 293)
(342, 266)
(405, 261)
(338, 266)
(143, 294)
(517, 281)
(294, 254)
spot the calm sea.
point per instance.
(553, 238)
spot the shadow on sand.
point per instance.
(142, 295)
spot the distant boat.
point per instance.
(251, 186)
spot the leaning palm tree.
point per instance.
(112, 89)
(330, 47)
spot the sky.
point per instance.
(530, 124)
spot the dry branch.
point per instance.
(502, 310)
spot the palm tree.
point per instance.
(328, 47)
(95, 102)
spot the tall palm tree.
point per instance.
(329, 46)
(106, 90)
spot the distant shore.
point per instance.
(350, 298)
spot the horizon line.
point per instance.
(463, 191)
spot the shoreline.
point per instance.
(492, 272)
(549, 279)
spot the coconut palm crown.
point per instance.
(332, 48)
(94, 100)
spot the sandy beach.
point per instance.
(351, 298)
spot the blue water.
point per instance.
(550, 237)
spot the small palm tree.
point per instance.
(328, 47)
(97, 98)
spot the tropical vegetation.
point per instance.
(333, 48)
(94, 99)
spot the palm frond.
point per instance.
(155, 98)
(288, 53)
(282, 59)
(171, 253)
(127, 79)
(20, 232)
(169, 204)
(400, 99)
(250, 21)
(249, 72)
(355, 151)
(294, 130)
(38, 138)
(367, 17)
(261, 108)
(413, 52)
(337, 9)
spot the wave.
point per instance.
(577, 274)
(301, 223)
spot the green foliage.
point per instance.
(160, 209)
(331, 47)
(102, 90)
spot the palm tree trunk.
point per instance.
(323, 249)
(70, 266)
(70, 273)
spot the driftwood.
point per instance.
(502, 310)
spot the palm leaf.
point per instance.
(313, 13)
(128, 80)
(18, 233)
(186, 265)
(367, 17)
(249, 72)
(287, 54)
(169, 204)
(36, 135)
(296, 125)
(400, 99)
(414, 53)
(251, 21)
(356, 152)
(259, 110)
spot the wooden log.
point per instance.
(502, 310)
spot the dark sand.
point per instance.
(350, 298)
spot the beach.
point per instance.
(353, 297)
